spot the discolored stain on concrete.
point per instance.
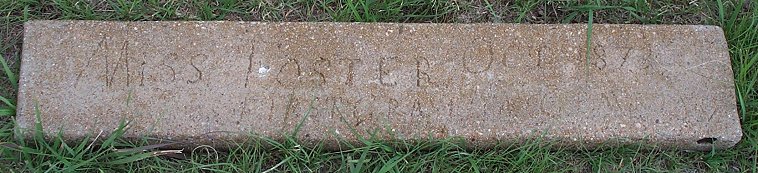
(216, 82)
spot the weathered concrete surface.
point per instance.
(489, 83)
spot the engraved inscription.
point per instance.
(289, 72)
(348, 67)
(101, 45)
(423, 79)
(142, 71)
(199, 75)
(249, 64)
(597, 59)
(321, 67)
(518, 56)
(120, 64)
(478, 64)
(386, 67)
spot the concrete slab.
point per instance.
(215, 82)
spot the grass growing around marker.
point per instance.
(738, 18)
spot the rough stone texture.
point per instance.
(215, 82)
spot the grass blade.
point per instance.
(570, 17)
(132, 158)
(7, 102)
(8, 73)
(721, 12)
(7, 112)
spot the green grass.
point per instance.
(738, 19)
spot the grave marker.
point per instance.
(214, 82)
